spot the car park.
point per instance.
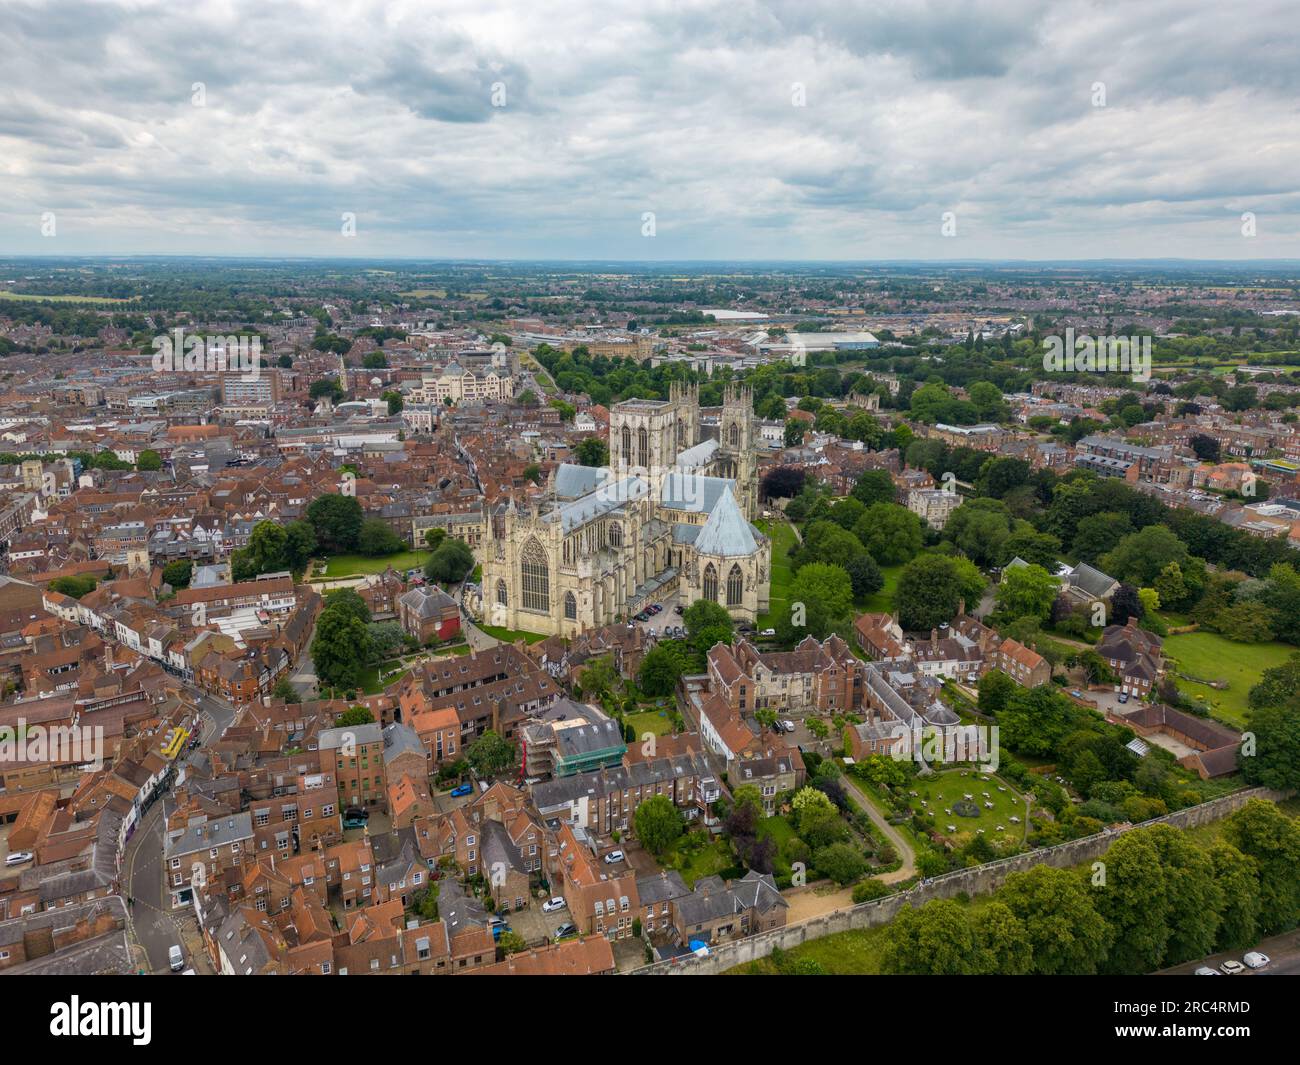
(551, 905)
(613, 857)
(1254, 959)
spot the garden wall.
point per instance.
(977, 880)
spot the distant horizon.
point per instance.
(757, 261)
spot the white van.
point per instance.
(175, 958)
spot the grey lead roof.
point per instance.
(726, 533)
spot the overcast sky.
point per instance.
(807, 129)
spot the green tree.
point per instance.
(149, 460)
(891, 534)
(340, 648)
(1264, 833)
(376, 539)
(450, 562)
(354, 716)
(1133, 901)
(1004, 948)
(864, 576)
(73, 586)
(842, 862)
(821, 600)
(1066, 933)
(1238, 881)
(592, 451)
(874, 486)
(660, 670)
(980, 527)
(1140, 557)
(936, 940)
(658, 824)
(299, 544)
(336, 521)
(285, 691)
(511, 943)
(931, 587)
(490, 755)
(179, 573)
(995, 691)
(1027, 591)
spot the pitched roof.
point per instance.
(726, 533)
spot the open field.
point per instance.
(31, 297)
(1213, 657)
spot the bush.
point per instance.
(871, 888)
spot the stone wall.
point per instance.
(977, 880)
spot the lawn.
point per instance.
(947, 788)
(882, 602)
(696, 861)
(656, 721)
(779, 828)
(371, 681)
(1213, 657)
(781, 534)
(511, 635)
(361, 565)
(855, 953)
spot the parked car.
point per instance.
(175, 958)
(19, 858)
(1254, 959)
(498, 930)
(1232, 968)
(358, 812)
(463, 789)
(1123, 697)
(768, 632)
(1205, 970)
(788, 726)
(354, 822)
(613, 857)
(566, 929)
(551, 905)
(679, 609)
(654, 608)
